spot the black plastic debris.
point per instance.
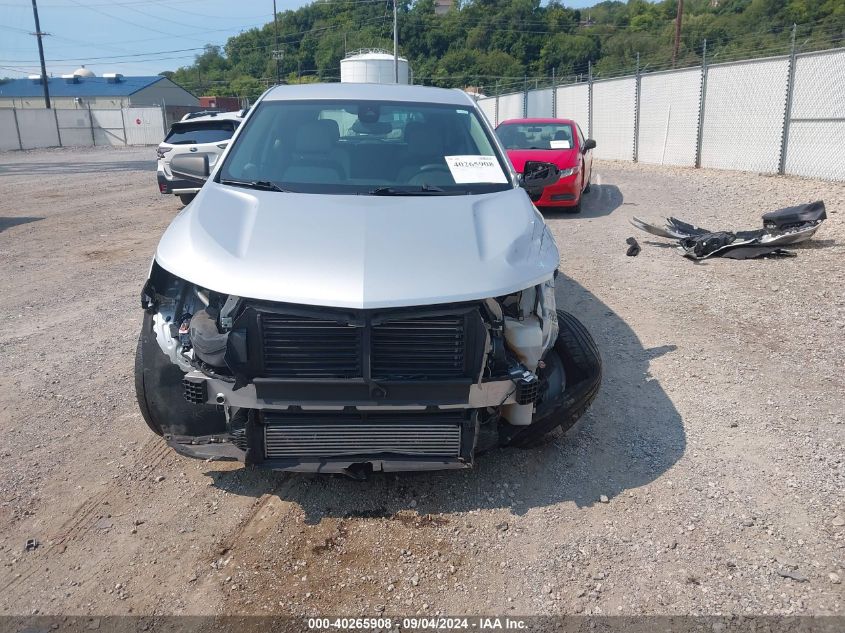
(790, 225)
(753, 252)
(31, 545)
(633, 248)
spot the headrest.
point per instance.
(561, 135)
(424, 139)
(317, 137)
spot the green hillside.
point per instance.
(497, 44)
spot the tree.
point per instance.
(480, 41)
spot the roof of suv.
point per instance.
(380, 92)
(216, 116)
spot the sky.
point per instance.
(132, 37)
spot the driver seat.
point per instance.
(316, 157)
(425, 145)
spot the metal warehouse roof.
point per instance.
(86, 87)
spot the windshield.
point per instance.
(367, 147)
(200, 132)
(535, 135)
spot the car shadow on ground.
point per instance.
(29, 169)
(602, 200)
(7, 223)
(630, 436)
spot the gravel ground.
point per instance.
(706, 478)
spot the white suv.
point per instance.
(361, 283)
(199, 133)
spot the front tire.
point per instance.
(576, 353)
(577, 208)
(141, 389)
(187, 197)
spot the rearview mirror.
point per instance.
(190, 166)
(537, 175)
(588, 145)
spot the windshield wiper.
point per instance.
(422, 191)
(261, 185)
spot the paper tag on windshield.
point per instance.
(560, 144)
(474, 169)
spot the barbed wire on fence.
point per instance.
(781, 110)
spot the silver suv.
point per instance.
(361, 283)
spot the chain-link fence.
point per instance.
(743, 115)
(31, 128)
(815, 142)
(613, 118)
(668, 124)
(573, 102)
(782, 114)
(540, 103)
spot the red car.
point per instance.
(558, 141)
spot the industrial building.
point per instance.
(83, 89)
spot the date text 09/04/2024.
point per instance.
(417, 623)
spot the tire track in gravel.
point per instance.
(154, 452)
(81, 520)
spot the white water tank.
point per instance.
(83, 72)
(372, 67)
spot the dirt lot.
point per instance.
(707, 478)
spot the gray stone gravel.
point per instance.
(707, 477)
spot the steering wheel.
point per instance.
(432, 175)
(432, 167)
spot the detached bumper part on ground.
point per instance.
(341, 391)
(790, 225)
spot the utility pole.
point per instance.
(678, 18)
(276, 51)
(38, 34)
(395, 42)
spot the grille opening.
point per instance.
(428, 348)
(335, 433)
(410, 348)
(301, 347)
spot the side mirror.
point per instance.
(588, 145)
(537, 175)
(190, 166)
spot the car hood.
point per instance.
(563, 158)
(359, 251)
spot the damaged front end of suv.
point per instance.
(340, 333)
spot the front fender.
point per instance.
(158, 383)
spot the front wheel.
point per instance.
(573, 375)
(141, 389)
